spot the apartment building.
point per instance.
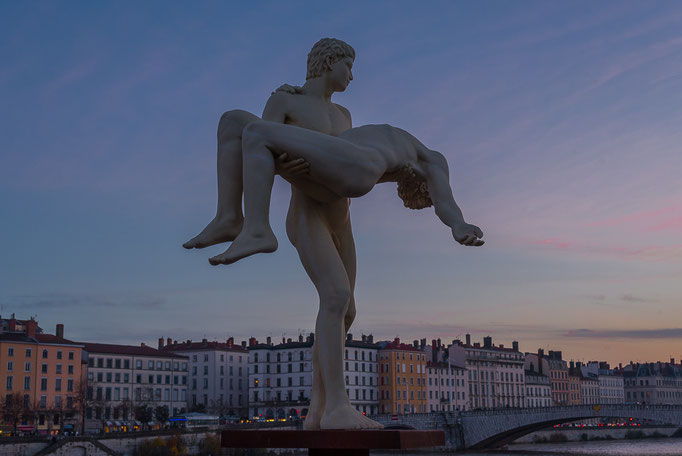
(495, 373)
(39, 377)
(361, 373)
(575, 395)
(218, 374)
(123, 380)
(447, 387)
(611, 384)
(653, 383)
(402, 378)
(558, 374)
(280, 378)
(537, 383)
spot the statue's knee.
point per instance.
(336, 302)
(252, 134)
(232, 123)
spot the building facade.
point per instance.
(218, 374)
(447, 387)
(558, 375)
(126, 382)
(361, 372)
(653, 383)
(495, 374)
(280, 378)
(402, 379)
(40, 377)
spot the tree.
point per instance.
(143, 414)
(84, 398)
(161, 414)
(17, 405)
(218, 407)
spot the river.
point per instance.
(643, 447)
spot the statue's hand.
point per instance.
(291, 168)
(467, 234)
(289, 89)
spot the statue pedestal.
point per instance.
(334, 442)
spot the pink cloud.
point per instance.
(655, 253)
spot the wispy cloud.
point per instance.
(661, 333)
(631, 298)
(60, 301)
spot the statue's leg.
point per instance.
(228, 221)
(320, 258)
(341, 166)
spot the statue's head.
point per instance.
(331, 55)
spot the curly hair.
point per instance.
(324, 53)
(412, 189)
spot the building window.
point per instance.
(28, 352)
(59, 368)
(10, 351)
(44, 354)
(27, 383)
(10, 366)
(59, 354)
(10, 382)
(27, 366)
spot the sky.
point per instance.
(561, 122)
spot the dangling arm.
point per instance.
(435, 168)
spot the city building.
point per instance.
(611, 385)
(495, 373)
(362, 373)
(40, 377)
(447, 387)
(558, 375)
(537, 383)
(131, 385)
(653, 383)
(575, 395)
(589, 385)
(402, 378)
(280, 378)
(218, 374)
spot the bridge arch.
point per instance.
(494, 428)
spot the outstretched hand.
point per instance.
(291, 168)
(467, 234)
(289, 89)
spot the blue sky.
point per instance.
(561, 123)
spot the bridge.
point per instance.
(477, 429)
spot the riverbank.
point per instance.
(561, 435)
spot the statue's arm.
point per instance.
(435, 168)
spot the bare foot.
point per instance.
(346, 417)
(246, 244)
(217, 231)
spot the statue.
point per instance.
(310, 141)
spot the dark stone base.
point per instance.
(334, 442)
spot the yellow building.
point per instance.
(402, 379)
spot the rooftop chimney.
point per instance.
(396, 341)
(60, 330)
(160, 343)
(364, 338)
(252, 341)
(415, 343)
(169, 341)
(515, 345)
(370, 339)
(204, 341)
(289, 340)
(468, 339)
(243, 344)
(31, 327)
(12, 323)
(349, 337)
(672, 360)
(142, 344)
(300, 337)
(488, 342)
(268, 340)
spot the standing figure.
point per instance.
(318, 222)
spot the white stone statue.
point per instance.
(327, 162)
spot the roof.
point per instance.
(115, 349)
(284, 346)
(188, 346)
(38, 339)
(361, 344)
(533, 373)
(443, 365)
(400, 347)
